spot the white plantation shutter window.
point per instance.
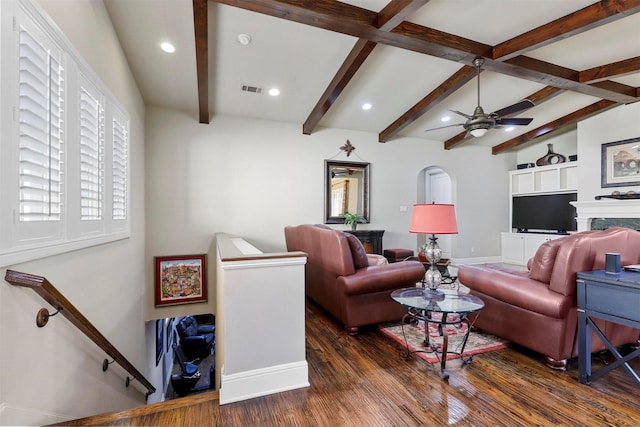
(40, 136)
(119, 170)
(64, 144)
(91, 157)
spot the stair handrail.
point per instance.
(49, 293)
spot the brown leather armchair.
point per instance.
(340, 278)
(538, 309)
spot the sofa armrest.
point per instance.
(380, 278)
(516, 289)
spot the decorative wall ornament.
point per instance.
(550, 158)
(348, 148)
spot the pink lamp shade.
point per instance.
(433, 219)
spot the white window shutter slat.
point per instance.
(119, 171)
(91, 156)
(40, 132)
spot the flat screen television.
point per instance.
(544, 213)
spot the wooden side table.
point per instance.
(371, 240)
(612, 297)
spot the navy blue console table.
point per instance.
(612, 297)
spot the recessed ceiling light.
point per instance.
(445, 118)
(167, 47)
(274, 91)
(509, 129)
(366, 106)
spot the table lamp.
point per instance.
(433, 219)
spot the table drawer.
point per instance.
(615, 300)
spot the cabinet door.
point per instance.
(512, 248)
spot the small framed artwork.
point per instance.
(159, 339)
(180, 279)
(621, 163)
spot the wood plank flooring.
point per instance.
(362, 381)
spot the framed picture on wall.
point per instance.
(180, 279)
(621, 163)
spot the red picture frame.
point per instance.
(180, 279)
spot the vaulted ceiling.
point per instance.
(411, 60)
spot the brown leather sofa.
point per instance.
(538, 309)
(340, 279)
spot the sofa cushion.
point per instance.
(375, 259)
(360, 259)
(541, 265)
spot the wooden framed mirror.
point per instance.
(346, 190)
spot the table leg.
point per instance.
(443, 359)
(584, 344)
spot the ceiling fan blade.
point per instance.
(443, 127)
(514, 121)
(462, 114)
(515, 108)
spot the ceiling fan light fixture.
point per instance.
(478, 132)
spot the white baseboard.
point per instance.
(264, 381)
(480, 260)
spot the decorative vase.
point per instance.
(354, 226)
(550, 158)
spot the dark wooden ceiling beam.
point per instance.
(590, 17)
(201, 29)
(561, 77)
(389, 17)
(555, 125)
(615, 69)
(359, 53)
(452, 84)
(396, 11)
(543, 95)
(361, 23)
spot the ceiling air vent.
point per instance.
(252, 89)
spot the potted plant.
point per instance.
(353, 219)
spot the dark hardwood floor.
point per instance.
(362, 381)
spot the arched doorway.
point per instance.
(436, 185)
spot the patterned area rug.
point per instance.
(477, 343)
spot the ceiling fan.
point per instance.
(479, 123)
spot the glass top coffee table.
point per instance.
(451, 309)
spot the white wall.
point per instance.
(252, 178)
(617, 124)
(55, 373)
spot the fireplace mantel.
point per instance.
(585, 211)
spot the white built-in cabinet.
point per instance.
(518, 248)
(560, 178)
